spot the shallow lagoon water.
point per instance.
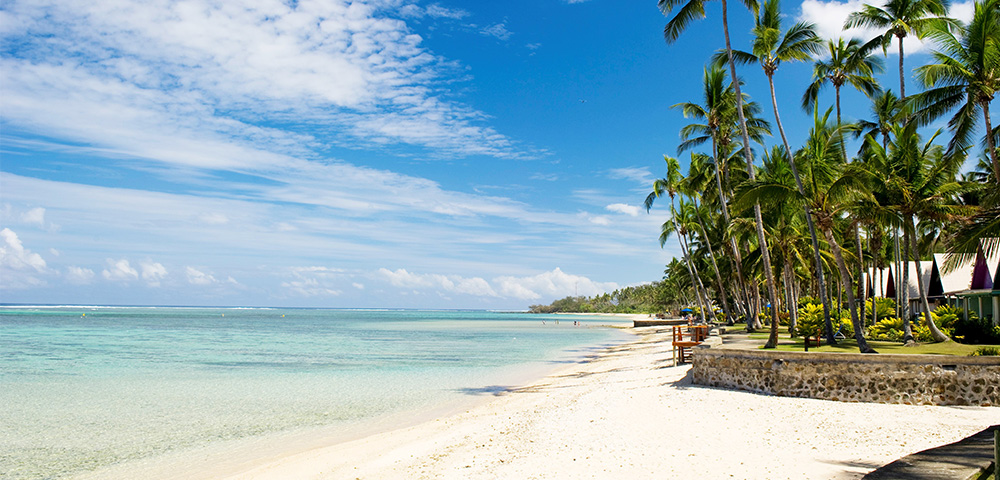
(90, 387)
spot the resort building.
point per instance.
(973, 285)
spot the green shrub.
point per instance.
(976, 330)
(845, 325)
(810, 322)
(884, 307)
(986, 352)
(806, 300)
(888, 329)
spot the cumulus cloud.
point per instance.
(829, 18)
(19, 266)
(552, 284)
(153, 272)
(79, 275)
(119, 271)
(445, 283)
(197, 277)
(35, 216)
(630, 210)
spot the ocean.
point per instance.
(85, 389)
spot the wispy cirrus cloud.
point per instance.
(203, 72)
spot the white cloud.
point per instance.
(640, 175)
(314, 281)
(155, 79)
(197, 277)
(630, 210)
(79, 275)
(119, 271)
(444, 283)
(829, 18)
(153, 272)
(18, 265)
(497, 30)
(35, 216)
(214, 218)
(553, 284)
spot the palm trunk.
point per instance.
(935, 332)
(905, 293)
(723, 201)
(990, 144)
(790, 299)
(827, 325)
(902, 83)
(845, 281)
(715, 266)
(861, 272)
(765, 255)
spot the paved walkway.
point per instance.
(965, 459)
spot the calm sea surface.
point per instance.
(83, 388)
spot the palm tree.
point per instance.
(770, 48)
(689, 11)
(898, 19)
(719, 123)
(670, 185)
(831, 192)
(966, 73)
(848, 65)
(694, 183)
(916, 181)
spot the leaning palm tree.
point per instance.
(966, 72)
(693, 185)
(770, 48)
(848, 65)
(716, 122)
(689, 11)
(897, 19)
(669, 185)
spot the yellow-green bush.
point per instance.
(810, 321)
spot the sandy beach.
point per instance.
(629, 413)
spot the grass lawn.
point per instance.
(788, 344)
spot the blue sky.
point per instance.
(388, 153)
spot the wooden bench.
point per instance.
(686, 337)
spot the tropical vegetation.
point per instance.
(806, 221)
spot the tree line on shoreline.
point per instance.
(808, 220)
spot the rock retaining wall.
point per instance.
(853, 377)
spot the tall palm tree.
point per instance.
(897, 19)
(848, 65)
(688, 12)
(669, 185)
(966, 72)
(831, 192)
(770, 48)
(716, 121)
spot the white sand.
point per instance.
(630, 414)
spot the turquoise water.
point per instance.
(89, 387)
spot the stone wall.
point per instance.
(853, 377)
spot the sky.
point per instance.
(365, 154)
